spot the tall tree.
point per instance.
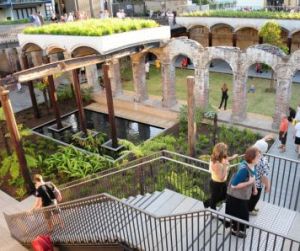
(271, 34)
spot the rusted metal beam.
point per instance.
(15, 138)
(53, 96)
(110, 105)
(79, 103)
(31, 88)
(191, 115)
(48, 69)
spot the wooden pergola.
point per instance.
(48, 69)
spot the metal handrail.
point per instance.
(113, 221)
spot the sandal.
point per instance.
(238, 234)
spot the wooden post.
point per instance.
(191, 115)
(234, 38)
(53, 96)
(15, 138)
(31, 88)
(79, 101)
(110, 105)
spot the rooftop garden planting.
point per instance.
(244, 14)
(93, 27)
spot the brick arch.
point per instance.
(83, 50)
(53, 48)
(294, 62)
(185, 46)
(253, 56)
(199, 33)
(227, 54)
(246, 36)
(295, 35)
(222, 34)
(28, 47)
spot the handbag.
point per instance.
(240, 193)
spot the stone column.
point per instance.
(139, 78)
(168, 84)
(283, 89)
(234, 39)
(115, 77)
(91, 74)
(37, 58)
(239, 97)
(12, 59)
(201, 91)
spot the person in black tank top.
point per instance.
(45, 197)
(225, 96)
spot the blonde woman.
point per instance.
(225, 96)
(218, 168)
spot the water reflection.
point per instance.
(126, 129)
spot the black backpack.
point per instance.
(50, 191)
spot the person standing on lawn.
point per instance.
(225, 96)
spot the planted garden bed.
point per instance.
(104, 36)
(244, 14)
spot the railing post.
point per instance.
(141, 180)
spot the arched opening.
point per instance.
(221, 35)
(220, 73)
(260, 98)
(200, 34)
(83, 51)
(284, 36)
(246, 37)
(295, 41)
(183, 67)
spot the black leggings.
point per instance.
(224, 99)
(218, 193)
(254, 199)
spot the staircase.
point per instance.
(151, 216)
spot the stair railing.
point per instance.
(103, 219)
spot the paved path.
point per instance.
(290, 146)
(21, 100)
(9, 205)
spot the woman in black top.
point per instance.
(224, 96)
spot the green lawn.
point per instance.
(258, 102)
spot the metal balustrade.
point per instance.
(96, 219)
(284, 177)
(104, 219)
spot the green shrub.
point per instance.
(9, 22)
(92, 27)
(244, 14)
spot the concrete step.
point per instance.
(160, 201)
(154, 196)
(169, 205)
(185, 206)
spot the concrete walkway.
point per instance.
(9, 205)
(290, 152)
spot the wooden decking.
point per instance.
(156, 116)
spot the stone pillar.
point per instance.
(139, 78)
(283, 89)
(168, 84)
(91, 74)
(201, 91)
(12, 59)
(239, 97)
(115, 77)
(19, 54)
(37, 58)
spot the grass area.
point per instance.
(244, 14)
(93, 27)
(18, 21)
(259, 102)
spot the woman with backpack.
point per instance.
(239, 190)
(47, 195)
